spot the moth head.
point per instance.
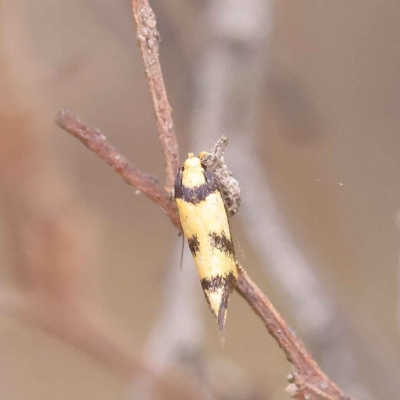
(192, 163)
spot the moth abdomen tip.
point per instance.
(222, 319)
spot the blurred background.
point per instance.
(93, 302)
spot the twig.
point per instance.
(148, 39)
(229, 104)
(94, 140)
(306, 372)
(305, 367)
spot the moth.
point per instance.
(205, 225)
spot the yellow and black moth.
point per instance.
(206, 226)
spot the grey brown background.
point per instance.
(328, 142)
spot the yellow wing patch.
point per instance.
(205, 225)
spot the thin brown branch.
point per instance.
(307, 375)
(148, 39)
(94, 140)
(308, 382)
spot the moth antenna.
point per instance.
(183, 248)
(236, 241)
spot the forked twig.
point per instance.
(308, 381)
(94, 140)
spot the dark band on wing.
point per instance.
(197, 194)
(211, 285)
(227, 282)
(222, 243)
(194, 244)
